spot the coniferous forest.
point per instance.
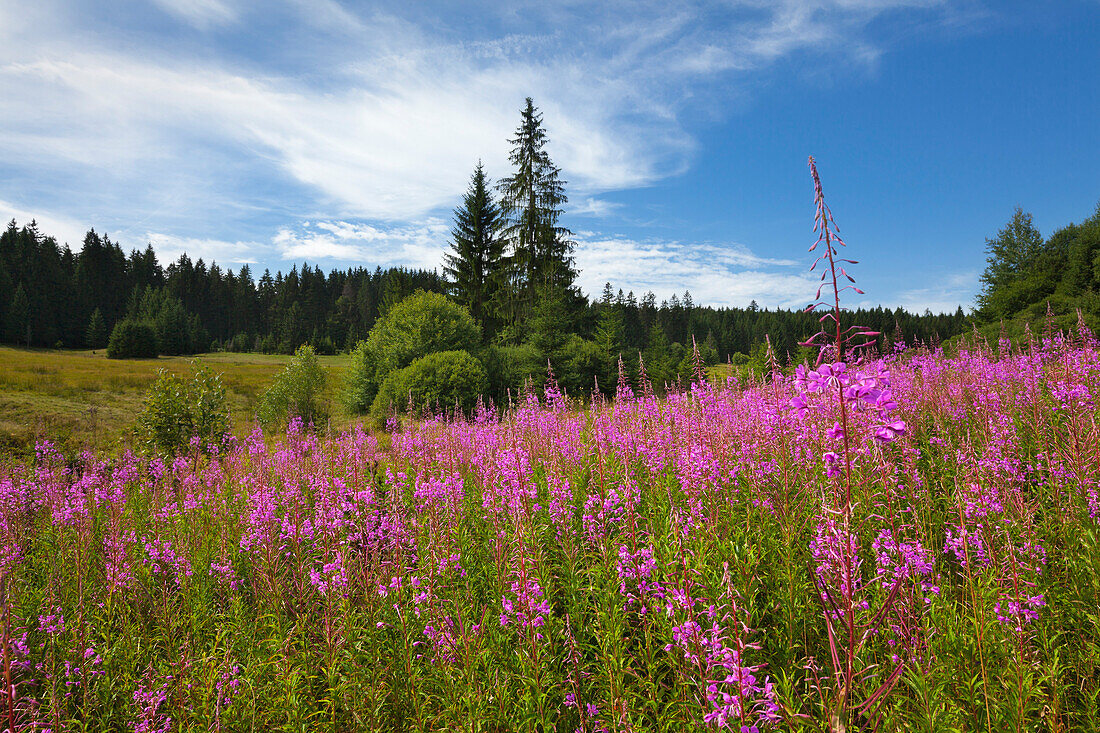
(509, 261)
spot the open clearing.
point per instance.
(82, 398)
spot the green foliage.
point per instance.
(178, 409)
(610, 338)
(442, 381)
(1009, 255)
(581, 365)
(132, 339)
(510, 368)
(1024, 271)
(19, 316)
(96, 335)
(657, 356)
(550, 324)
(173, 328)
(533, 198)
(421, 324)
(361, 380)
(686, 369)
(473, 266)
(296, 392)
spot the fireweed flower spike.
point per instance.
(858, 401)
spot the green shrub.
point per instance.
(421, 324)
(441, 380)
(360, 380)
(296, 392)
(508, 368)
(178, 409)
(132, 339)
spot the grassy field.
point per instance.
(82, 398)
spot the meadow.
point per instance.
(727, 557)
(881, 541)
(82, 399)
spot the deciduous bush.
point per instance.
(179, 409)
(296, 392)
(132, 339)
(361, 380)
(442, 380)
(421, 324)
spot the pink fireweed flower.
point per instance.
(1019, 613)
(52, 623)
(164, 561)
(148, 701)
(332, 579)
(1072, 396)
(835, 549)
(636, 582)
(529, 608)
(889, 432)
(224, 574)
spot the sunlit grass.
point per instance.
(83, 399)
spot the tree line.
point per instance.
(510, 263)
(1028, 275)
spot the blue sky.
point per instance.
(344, 133)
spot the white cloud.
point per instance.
(66, 230)
(404, 111)
(944, 297)
(199, 13)
(718, 275)
(594, 207)
(370, 124)
(390, 148)
(169, 247)
(417, 245)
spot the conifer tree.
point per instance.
(96, 336)
(19, 316)
(540, 251)
(473, 266)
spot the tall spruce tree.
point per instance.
(473, 267)
(540, 251)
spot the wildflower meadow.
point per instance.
(877, 541)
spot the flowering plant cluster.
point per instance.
(680, 563)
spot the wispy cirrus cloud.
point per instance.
(404, 108)
(231, 138)
(944, 295)
(199, 13)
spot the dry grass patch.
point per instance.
(83, 399)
